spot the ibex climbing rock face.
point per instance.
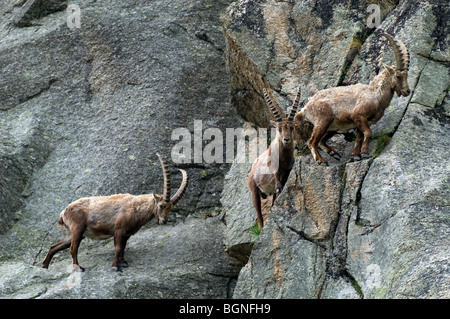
(119, 216)
(271, 169)
(355, 107)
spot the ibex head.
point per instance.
(284, 125)
(399, 72)
(164, 202)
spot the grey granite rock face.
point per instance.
(378, 228)
(83, 112)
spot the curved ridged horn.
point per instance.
(294, 107)
(175, 198)
(405, 54)
(272, 107)
(400, 51)
(166, 176)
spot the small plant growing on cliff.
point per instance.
(381, 142)
(255, 229)
(357, 42)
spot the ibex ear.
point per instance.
(390, 69)
(274, 123)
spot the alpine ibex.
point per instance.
(119, 216)
(270, 170)
(355, 107)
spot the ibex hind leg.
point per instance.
(256, 201)
(61, 245)
(356, 154)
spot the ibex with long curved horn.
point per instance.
(119, 216)
(356, 106)
(271, 169)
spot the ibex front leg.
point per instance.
(120, 242)
(256, 201)
(356, 154)
(363, 126)
(278, 183)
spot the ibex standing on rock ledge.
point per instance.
(356, 106)
(271, 169)
(119, 216)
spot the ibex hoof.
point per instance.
(355, 158)
(336, 156)
(117, 268)
(323, 163)
(365, 155)
(77, 268)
